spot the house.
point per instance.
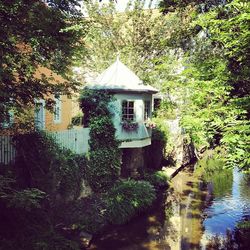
(133, 107)
(60, 118)
(56, 122)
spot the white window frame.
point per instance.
(147, 109)
(127, 116)
(40, 124)
(58, 109)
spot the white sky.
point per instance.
(121, 4)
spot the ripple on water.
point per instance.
(226, 211)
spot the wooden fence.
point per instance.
(74, 139)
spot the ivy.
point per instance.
(104, 166)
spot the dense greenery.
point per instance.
(212, 169)
(35, 192)
(215, 83)
(104, 158)
(158, 179)
(118, 205)
(128, 198)
(44, 165)
(34, 35)
(156, 152)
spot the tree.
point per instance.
(36, 34)
(138, 36)
(216, 110)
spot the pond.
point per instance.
(203, 207)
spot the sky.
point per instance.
(121, 4)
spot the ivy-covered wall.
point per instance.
(104, 157)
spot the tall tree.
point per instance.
(36, 33)
(216, 110)
(137, 35)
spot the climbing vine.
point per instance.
(104, 166)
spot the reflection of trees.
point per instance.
(236, 239)
(244, 187)
(221, 179)
(222, 183)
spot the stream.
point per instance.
(204, 208)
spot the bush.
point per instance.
(88, 214)
(128, 198)
(158, 179)
(103, 168)
(43, 164)
(102, 133)
(161, 132)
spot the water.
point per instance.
(225, 211)
(203, 207)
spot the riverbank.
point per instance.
(201, 209)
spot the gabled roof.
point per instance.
(119, 78)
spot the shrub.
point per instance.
(43, 164)
(161, 132)
(103, 168)
(158, 179)
(128, 198)
(102, 133)
(87, 214)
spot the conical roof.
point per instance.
(119, 78)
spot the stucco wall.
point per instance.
(66, 115)
(66, 103)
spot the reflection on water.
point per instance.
(204, 204)
(226, 210)
(147, 231)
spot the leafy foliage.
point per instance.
(103, 167)
(158, 179)
(44, 165)
(34, 35)
(214, 87)
(35, 191)
(127, 198)
(88, 214)
(156, 152)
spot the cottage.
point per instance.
(132, 109)
(133, 105)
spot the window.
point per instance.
(128, 111)
(57, 109)
(40, 114)
(9, 120)
(146, 110)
